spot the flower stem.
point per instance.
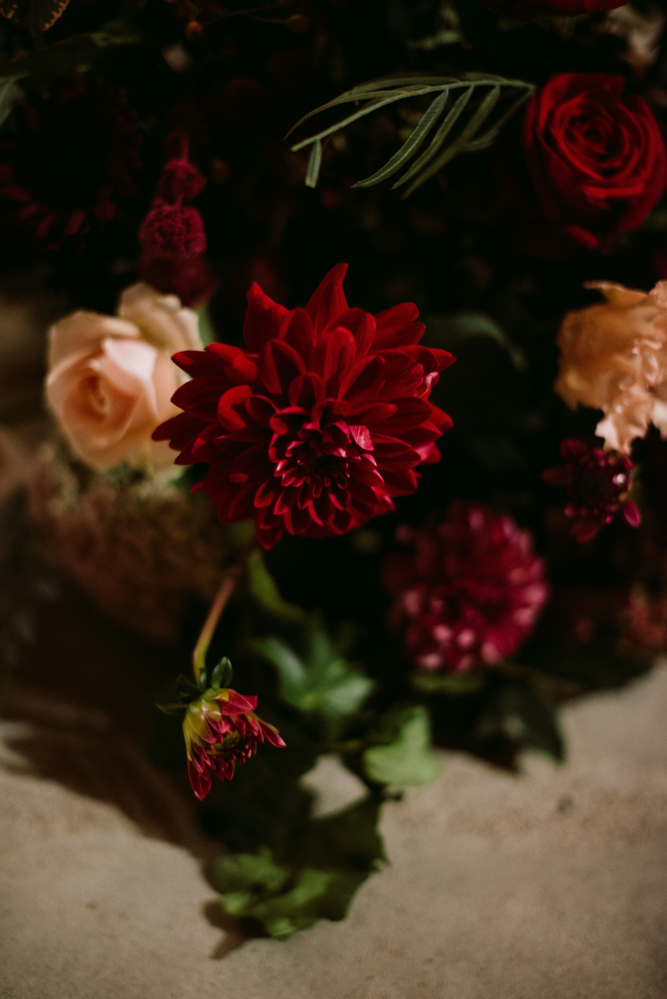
(210, 624)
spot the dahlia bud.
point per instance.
(172, 231)
(220, 727)
(598, 485)
(180, 180)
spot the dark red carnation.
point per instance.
(221, 729)
(523, 10)
(470, 593)
(595, 157)
(319, 422)
(73, 155)
(172, 231)
(598, 485)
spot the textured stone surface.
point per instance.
(549, 885)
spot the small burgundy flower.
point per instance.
(180, 180)
(172, 231)
(221, 730)
(470, 593)
(598, 484)
(319, 422)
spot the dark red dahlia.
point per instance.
(221, 730)
(598, 485)
(75, 154)
(173, 231)
(470, 593)
(319, 422)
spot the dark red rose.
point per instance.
(523, 10)
(471, 592)
(596, 158)
(316, 425)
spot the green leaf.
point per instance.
(35, 15)
(515, 713)
(207, 330)
(262, 589)
(73, 55)
(9, 94)
(314, 164)
(454, 684)
(336, 856)
(448, 331)
(222, 674)
(407, 758)
(322, 684)
(451, 95)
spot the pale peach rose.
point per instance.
(614, 358)
(111, 378)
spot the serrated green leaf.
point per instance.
(322, 683)
(335, 857)
(407, 758)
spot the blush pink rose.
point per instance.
(111, 378)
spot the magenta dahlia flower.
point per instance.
(598, 485)
(471, 592)
(319, 422)
(221, 730)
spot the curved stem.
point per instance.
(217, 607)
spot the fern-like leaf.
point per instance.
(452, 96)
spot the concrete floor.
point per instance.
(552, 885)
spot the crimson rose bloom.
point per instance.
(221, 730)
(470, 594)
(319, 422)
(525, 9)
(596, 158)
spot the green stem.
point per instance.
(217, 607)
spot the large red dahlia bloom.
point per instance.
(319, 423)
(470, 594)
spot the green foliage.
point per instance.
(447, 332)
(336, 856)
(73, 55)
(262, 589)
(320, 684)
(469, 682)
(9, 94)
(406, 758)
(452, 96)
(515, 712)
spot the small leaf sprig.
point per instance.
(451, 98)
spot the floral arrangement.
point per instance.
(352, 494)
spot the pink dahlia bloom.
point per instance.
(221, 730)
(598, 485)
(471, 592)
(317, 424)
